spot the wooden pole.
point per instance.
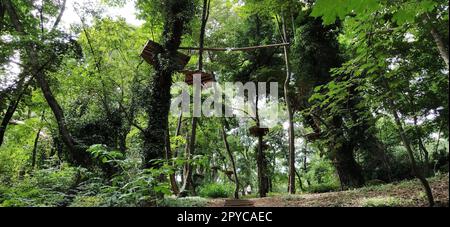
(235, 49)
(230, 154)
(191, 148)
(292, 172)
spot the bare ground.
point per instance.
(402, 194)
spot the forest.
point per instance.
(100, 110)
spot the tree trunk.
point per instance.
(205, 17)
(426, 155)
(350, 173)
(2, 15)
(191, 148)
(8, 116)
(76, 156)
(423, 149)
(263, 180)
(436, 149)
(441, 46)
(261, 161)
(179, 124)
(173, 154)
(188, 184)
(407, 144)
(380, 151)
(35, 148)
(262, 169)
(299, 180)
(18, 92)
(158, 108)
(414, 167)
(290, 113)
(233, 163)
(122, 139)
(292, 189)
(305, 169)
(169, 156)
(158, 105)
(348, 170)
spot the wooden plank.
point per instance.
(205, 77)
(255, 131)
(152, 49)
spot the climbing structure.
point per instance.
(152, 50)
(257, 131)
(205, 77)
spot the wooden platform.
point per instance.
(238, 203)
(152, 50)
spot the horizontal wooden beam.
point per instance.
(236, 49)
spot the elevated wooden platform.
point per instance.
(152, 50)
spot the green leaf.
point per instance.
(331, 10)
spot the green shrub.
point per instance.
(322, 176)
(45, 188)
(216, 191)
(88, 201)
(129, 188)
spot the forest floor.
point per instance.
(401, 194)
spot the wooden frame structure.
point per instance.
(257, 132)
(205, 77)
(152, 50)
(229, 173)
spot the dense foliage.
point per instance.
(85, 120)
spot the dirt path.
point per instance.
(404, 194)
(238, 203)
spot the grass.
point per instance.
(382, 201)
(407, 193)
(216, 191)
(87, 201)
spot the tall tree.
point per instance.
(33, 57)
(190, 149)
(318, 54)
(176, 15)
(387, 60)
(290, 111)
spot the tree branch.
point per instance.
(13, 16)
(61, 13)
(2, 15)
